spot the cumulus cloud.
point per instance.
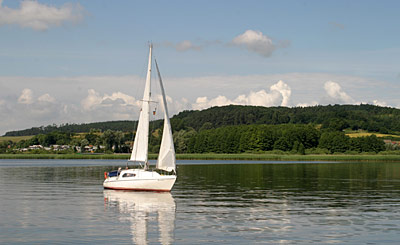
(334, 91)
(255, 41)
(279, 94)
(27, 110)
(312, 103)
(91, 100)
(32, 14)
(94, 99)
(26, 97)
(47, 98)
(284, 90)
(73, 99)
(379, 103)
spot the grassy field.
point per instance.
(210, 156)
(362, 133)
(15, 138)
(291, 157)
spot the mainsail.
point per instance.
(166, 157)
(140, 145)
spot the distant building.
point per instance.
(35, 147)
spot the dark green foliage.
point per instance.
(53, 138)
(254, 138)
(334, 142)
(91, 138)
(238, 129)
(333, 117)
(112, 139)
(367, 144)
(339, 142)
(77, 128)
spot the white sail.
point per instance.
(140, 145)
(166, 157)
(141, 179)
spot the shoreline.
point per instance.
(213, 156)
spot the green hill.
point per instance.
(338, 117)
(335, 117)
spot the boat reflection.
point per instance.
(140, 207)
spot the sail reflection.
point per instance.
(139, 206)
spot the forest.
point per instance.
(239, 129)
(336, 117)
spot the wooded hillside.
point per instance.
(336, 117)
(238, 129)
(367, 117)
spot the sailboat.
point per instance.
(142, 178)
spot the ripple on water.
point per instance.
(223, 203)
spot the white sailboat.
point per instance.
(144, 178)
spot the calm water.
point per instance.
(62, 201)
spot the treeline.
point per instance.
(288, 137)
(124, 126)
(333, 117)
(111, 141)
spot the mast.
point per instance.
(140, 145)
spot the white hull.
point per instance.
(140, 180)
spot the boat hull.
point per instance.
(140, 180)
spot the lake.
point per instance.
(224, 202)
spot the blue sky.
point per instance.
(84, 61)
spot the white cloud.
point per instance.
(47, 98)
(285, 91)
(312, 103)
(334, 91)
(187, 45)
(26, 97)
(379, 103)
(73, 100)
(128, 100)
(32, 14)
(279, 95)
(255, 41)
(94, 99)
(203, 102)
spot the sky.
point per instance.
(85, 61)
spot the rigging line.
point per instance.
(151, 126)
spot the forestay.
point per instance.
(166, 158)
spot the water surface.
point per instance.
(62, 201)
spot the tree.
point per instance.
(108, 139)
(283, 144)
(83, 143)
(334, 142)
